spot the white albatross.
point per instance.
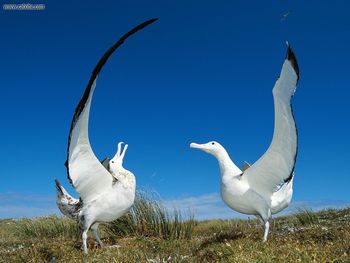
(266, 187)
(107, 190)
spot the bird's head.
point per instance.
(117, 161)
(212, 147)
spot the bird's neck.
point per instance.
(227, 166)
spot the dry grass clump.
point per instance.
(305, 217)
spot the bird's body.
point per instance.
(110, 205)
(113, 202)
(241, 198)
(238, 195)
(107, 189)
(266, 187)
(103, 208)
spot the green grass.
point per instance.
(150, 218)
(47, 227)
(151, 233)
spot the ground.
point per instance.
(305, 236)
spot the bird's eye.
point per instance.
(112, 161)
(212, 143)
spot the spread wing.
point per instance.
(277, 164)
(85, 172)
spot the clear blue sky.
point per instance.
(204, 71)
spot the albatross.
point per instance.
(107, 189)
(265, 187)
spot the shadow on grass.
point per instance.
(220, 238)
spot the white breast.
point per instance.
(238, 196)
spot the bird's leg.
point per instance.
(99, 241)
(267, 227)
(84, 241)
(94, 231)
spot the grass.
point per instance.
(151, 233)
(47, 227)
(150, 218)
(306, 216)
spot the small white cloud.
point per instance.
(19, 205)
(316, 205)
(211, 206)
(18, 211)
(204, 207)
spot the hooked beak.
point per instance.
(203, 147)
(197, 146)
(119, 156)
(123, 153)
(119, 148)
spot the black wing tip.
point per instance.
(144, 24)
(58, 186)
(57, 182)
(93, 76)
(290, 177)
(293, 60)
(151, 20)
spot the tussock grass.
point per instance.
(305, 217)
(47, 227)
(150, 218)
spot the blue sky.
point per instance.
(203, 72)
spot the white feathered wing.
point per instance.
(277, 164)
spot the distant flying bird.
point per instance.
(285, 16)
(266, 187)
(107, 190)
